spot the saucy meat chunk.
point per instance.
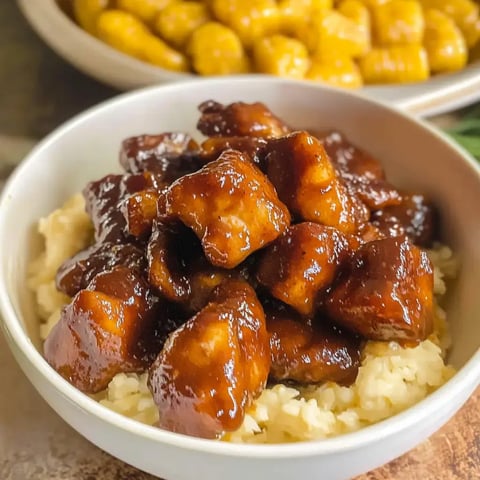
(414, 217)
(239, 119)
(108, 328)
(231, 206)
(307, 183)
(212, 367)
(362, 174)
(253, 147)
(140, 211)
(77, 272)
(302, 263)
(310, 352)
(168, 155)
(386, 293)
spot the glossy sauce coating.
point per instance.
(309, 351)
(306, 181)
(188, 236)
(362, 174)
(239, 119)
(108, 328)
(386, 293)
(212, 367)
(231, 206)
(414, 217)
(302, 263)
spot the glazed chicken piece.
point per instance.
(111, 327)
(253, 147)
(212, 367)
(77, 272)
(230, 205)
(140, 211)
(171, 248)
(307, 183)
(239, 120)
(386, 293)
(302, 263)
(309, 352)
(362, 174)
(414, 217)
(168, 156)
(104, 200)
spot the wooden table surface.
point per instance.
(39, 91)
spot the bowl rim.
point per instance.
(466, 378)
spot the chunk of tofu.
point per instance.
(212, 368)
(386, 293)
(299, 266)
(231, 206)
(306, 181)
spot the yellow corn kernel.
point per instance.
(331, 32)
(176, 22)
(145, 10)
(355, 10)
(295, 14)
(282, 56)
(465, 13)
(126, 33)
(373, 3)
(398, 22)
(121, 31)
(250, 19)
(86, 13)
(398, 64)
(336, 71)
(444, 43)
(217, 50)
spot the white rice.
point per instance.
(391, 378)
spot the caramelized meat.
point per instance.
(302, 263)
(170, 249)
(140, 211)
(77, 272)
(104, 203)
(386, 293)
(362, 174)
(212, 367)
(253, 147)
(307, 183)
(108, 328)
(168, 155)
(239, 119)
(310, 352)
(414, 217)
(231, 206)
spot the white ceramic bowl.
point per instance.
(95, 58)
(87, 147)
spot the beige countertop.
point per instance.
(39, 91)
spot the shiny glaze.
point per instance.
(309, 351)
(212, 367)
(386, 293)
(306, 181)
(302, 263)
(239, 119)
(414, 217)
(110, 327)
(362, 174)
(184, 241)
(231, 206)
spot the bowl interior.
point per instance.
(414, 156)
